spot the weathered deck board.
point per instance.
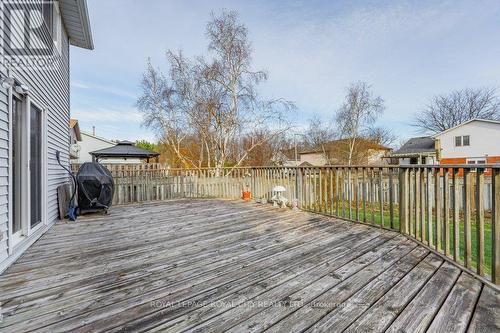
(227, 265)
(343, 316)
(456, 312)
(486, 318)
(334, 270)
(418, 314)
(388, 307)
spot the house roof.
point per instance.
(288, 153)
(124, 149)
(98, 137)
(497, 122)
(73, 123)
(368, 144)
(75, 16)
(417, 146)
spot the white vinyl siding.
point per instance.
(478, 140)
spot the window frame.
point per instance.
(458, 141)
(57, 26)
(48, 15)
(31, 100)
(468, 140)
(475, 161)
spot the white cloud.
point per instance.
(113, 124)
(108, 115)
(110, 89)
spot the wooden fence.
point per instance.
(454, 211)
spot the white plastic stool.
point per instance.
(278, 198)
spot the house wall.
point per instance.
(91, 143)
(430, 160)
(375, 157)
(49, 88)
(73, 141)
(484, 141)
(317, 159)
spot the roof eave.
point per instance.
(124, 155)
(79, 31)
(412, 154)
(465, 123)
(78, 133)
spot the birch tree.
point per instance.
(357, 114)
(213, 97)
(241, 110)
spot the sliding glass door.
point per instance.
(27, 165)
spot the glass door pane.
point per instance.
(35, 165)
(16, 164)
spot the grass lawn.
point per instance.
(387, 223)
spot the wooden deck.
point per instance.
(214, 265)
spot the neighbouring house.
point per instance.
(336, 152)
(75, 136)
(287, 158)
(35, 113)
(476, 141)
(473, 142)
(124, 152)
(91, 142)
(420, 150)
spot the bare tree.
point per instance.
(241, 109)
(166, 107)
(318, 135)
(446, 111)
(214, 99)
(359, 111)
(382, 135)
(318, 132)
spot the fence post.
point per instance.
(298, 186)
(403, 200)
(495, 227)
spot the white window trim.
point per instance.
(43, 109)
(57, 29)
(474, 160)
(10, 244)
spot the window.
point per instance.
(48, 14)
(463, 140)
(476, 161)
(52, 19)
(57, 26)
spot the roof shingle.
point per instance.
(424, 144)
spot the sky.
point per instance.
(407, 51)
